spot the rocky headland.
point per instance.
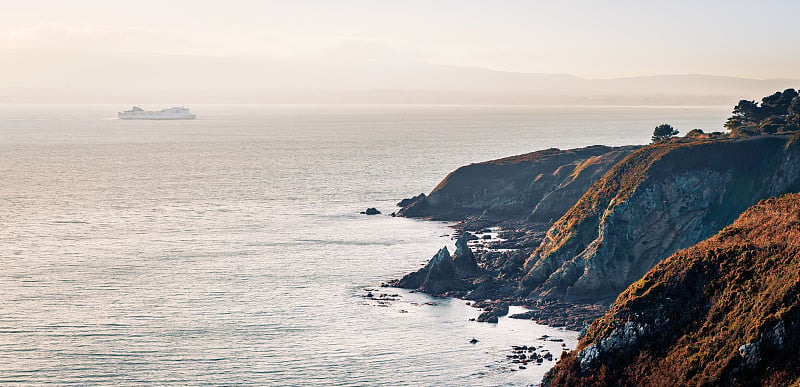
(566, 233)
(537, 187)
(524, 195)
(612, 214)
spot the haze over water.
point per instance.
(229, 249)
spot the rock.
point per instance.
(444, 273)
(371, 211)
(488, 317)
(660, 199)
(438, 277)
(409, 201)
(464, 259)
(751, 354)
(722, 312)
(493, 312)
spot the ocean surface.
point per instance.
(230, 249)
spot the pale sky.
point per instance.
(589, 39)
(595, 39)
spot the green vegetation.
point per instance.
(778, 113)
(663, 132)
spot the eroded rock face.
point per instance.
(444, 273)
(723, 312)
(409, 201)
(658, 200)
(463, 259)
(535, 187)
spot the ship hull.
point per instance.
(140, 117)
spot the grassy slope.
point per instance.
(701, 304)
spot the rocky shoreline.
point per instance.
(564, 232)
(484, 270)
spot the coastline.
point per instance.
(510, 239)
(498, 344)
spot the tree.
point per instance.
(778, 103)
(748, 111)
(794, 107)
(663, 132)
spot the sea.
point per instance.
(230, 249)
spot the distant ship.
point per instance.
(174, 113)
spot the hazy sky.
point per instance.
(594, 39)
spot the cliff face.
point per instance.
(657, 200)
(537, 187)
(723, 312)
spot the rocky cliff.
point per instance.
(723, 312)
(536, 187)
(657, 200)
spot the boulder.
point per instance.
(493, 312)
(371, 211)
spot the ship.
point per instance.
(173, 113)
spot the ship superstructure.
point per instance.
(173, 113)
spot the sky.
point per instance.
(587, 39)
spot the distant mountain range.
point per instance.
(29, 76)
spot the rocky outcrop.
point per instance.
(409, 201)
(659, 199)
(723, 312)
(444, 273)
(534, 187)
(492, 311)
(371, 211)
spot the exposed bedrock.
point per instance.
(444, 273)
(725, 312)
(657, 200)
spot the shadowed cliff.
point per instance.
(723, 312)
(536, 187)
(659, 199)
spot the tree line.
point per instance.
(776, 113)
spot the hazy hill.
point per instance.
(27, 76)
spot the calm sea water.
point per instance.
(229, 249)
